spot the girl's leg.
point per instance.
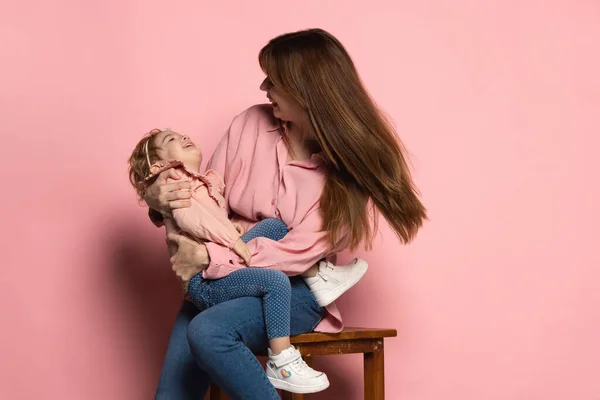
(271, 228)
(181, 377)
(271, 285)
(222, 339)
(285, 368)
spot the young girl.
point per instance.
(207, 220)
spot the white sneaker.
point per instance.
(332, 281)
(288, 371)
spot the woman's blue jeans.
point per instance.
(217, 344)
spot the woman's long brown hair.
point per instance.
(367, 165)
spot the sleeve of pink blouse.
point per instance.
(204, 221)
(218, 161)
(303, 246)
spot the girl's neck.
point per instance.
(192, 166)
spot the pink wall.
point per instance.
(499, 298)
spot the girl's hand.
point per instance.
(165, 197)
(190, 258)
(241, 250)
(238, 227)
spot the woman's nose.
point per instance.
(266, 84)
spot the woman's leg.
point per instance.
(222, 339)
(181, 378)
(272, 286)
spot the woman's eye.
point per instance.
(170, 140)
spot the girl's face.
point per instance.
(285, 106)
(173, 146)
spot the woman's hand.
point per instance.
(165, 197)
(190, 258)
(171, 228)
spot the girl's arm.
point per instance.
(206, 220)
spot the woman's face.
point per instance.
(285, 106)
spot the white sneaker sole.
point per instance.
(361, 266)
(289, 387)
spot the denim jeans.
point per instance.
(217, 344)
(272, 286)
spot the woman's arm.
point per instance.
(218, 161)
(190, 259)
(302, 247)
(170, 227)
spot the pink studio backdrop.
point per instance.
(498, 102)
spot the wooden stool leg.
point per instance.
(216, 393)
(374, 377)
(293, 396)
(297, 396)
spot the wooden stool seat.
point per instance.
(349, 341)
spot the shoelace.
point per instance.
(300, 365)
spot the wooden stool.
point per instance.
(350, 340)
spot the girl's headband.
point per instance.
(146, 146)
(146, 151)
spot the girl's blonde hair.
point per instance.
(143, 156)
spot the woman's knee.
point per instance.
(207, 337)
(218, 330)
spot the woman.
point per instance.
(323, 160)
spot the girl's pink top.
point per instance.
(260, 183)
(206, 219)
